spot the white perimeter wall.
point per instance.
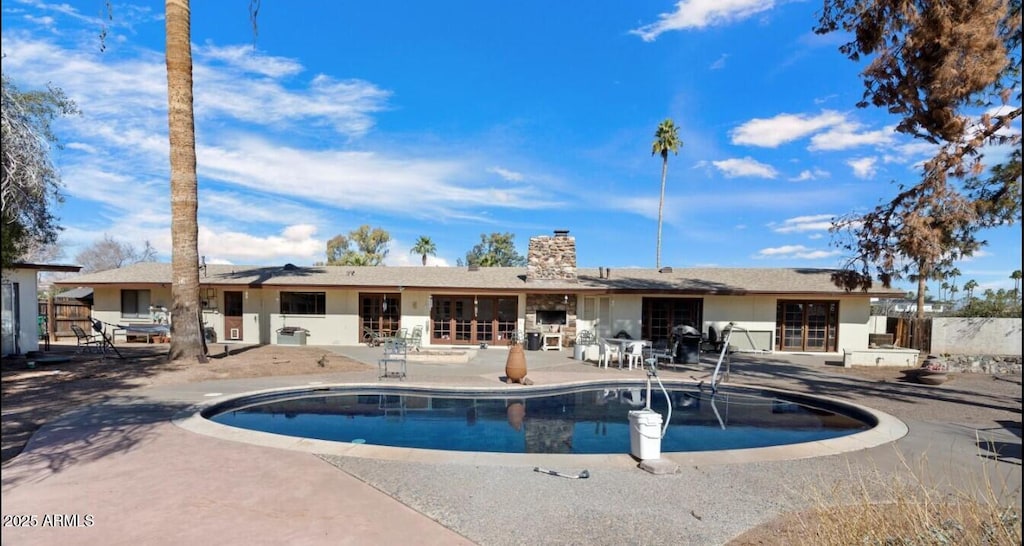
(976, 336)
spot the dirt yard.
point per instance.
(31, 397)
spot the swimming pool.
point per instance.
(581, 419)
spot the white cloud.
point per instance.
(511, 176)
(913, 151)
(341, 178)
(245, 58)
(719, 62)
(747, 166)
(799, 224)
(848, 135)
(700, 14)
(864, 167)
(297, 241)
(783, 128)
(796, 252)
(810, 174)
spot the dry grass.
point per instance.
(875, 508)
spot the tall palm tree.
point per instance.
(969, 287)
(424, 247)
(1016, 283)
(186, 334)
(666, 139)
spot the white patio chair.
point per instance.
(606, 351)
(635, 354)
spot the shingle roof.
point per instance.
(679, 280)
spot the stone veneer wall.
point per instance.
(553, 302)
(551, 258)
(993, 364)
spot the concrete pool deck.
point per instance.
(140, 478)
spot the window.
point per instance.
(135, 304)
(303, 303)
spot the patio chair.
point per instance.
(92, 343)
(393, 363)
(711, 343)
(372, 338)
(663, 350)
(416, 338)
(605, 352)
(635, 354)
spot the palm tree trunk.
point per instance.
(186, 334)
(661, 206)
(921, 287)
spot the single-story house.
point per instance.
(20, 283)
(780, 310)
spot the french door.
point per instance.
(810, 326)
(660, 315)
(380, 313)
(470, 320)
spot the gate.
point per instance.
(912, 333)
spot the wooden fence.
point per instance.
(911, 333)
(62, 314)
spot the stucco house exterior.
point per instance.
(781, 310)
(20, 317)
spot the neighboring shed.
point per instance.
(20, 317)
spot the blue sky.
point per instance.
(453, 119)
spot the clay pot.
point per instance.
(928, 377)
(515, 364)
(515, 413)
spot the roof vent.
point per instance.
(665, 269)
(290, 267)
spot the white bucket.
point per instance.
(645, 434)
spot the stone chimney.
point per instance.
(551, 258)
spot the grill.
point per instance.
(292, 335)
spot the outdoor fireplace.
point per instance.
(552, 317)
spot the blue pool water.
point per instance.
(580, 420)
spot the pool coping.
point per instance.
(888, 429)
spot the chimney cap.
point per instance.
(561, 233)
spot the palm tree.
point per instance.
(1016, 283)
(424, 247)
(186, 335)
(666, 139)
(969, 287)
